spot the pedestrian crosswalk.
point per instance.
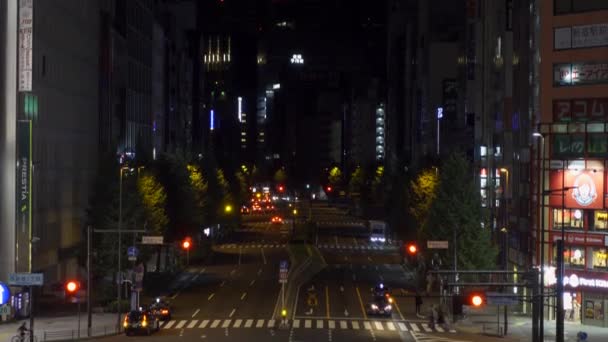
(332, 324)
(251, 245)
(357, 247)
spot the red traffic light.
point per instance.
(412, 249)
(72, 286)
(329, 189)
(186, 244)
(476, 299)
(281, 188)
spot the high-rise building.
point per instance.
(571, 102)
(49, 131)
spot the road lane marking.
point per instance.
(222, 283)
(296, 323)
(307, 323)
(181, 324)
(232, 272)
(252, 282)
(195, 312)
(240, 253)
(378, 325)
(398, 310)
(210, 296)
(169, 325)
(175, 295)
(327, 300)
(367, 325)
(426, 327)
(259, 271)
(192, 324)
(202, 271)
(343, 325)
(248, 323)
(355, 325)
(260, 323)
(319, 324)
(204, 324)
(414, 327)
(263, 256)
(271, 323)
(361, 302)
(237, 323)
(402, 326)
(439, 328)
(391, 326)
(226, 323)
(232, 312)
(331, 324)
(243, 296)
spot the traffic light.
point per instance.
(411, 252)
(71, 291)
(329, 188)
(412, 249)
(187, 243)
(281, 188)
(476, 299)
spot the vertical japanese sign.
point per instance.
(24, 198)
(26, 37)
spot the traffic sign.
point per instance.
(132, 252)
(5, 294)
(437, 244)
(497, 298)
(25, 279)
(152, 240)
(5, 310)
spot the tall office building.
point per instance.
(572, 104)
(49, 131)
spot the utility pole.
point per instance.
(89, 311)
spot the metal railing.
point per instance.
(73, 335)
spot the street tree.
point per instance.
(335, 177)
(423, 191)
(456, 214)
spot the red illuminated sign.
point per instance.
(587, 189)
(580, 238)
(568, 110)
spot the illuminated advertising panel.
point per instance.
(585, 189)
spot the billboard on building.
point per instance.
(24, 195)
(586, 189)
(26, 38)
(580, 73)
(584, 36)
(580, 110)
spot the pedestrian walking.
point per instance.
(418, 303)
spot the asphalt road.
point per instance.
(234, 295)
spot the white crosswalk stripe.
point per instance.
(355, 324)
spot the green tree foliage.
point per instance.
(154, 199)
(335, 176)
(200, 189)
(357, 181)
(242, 188)
(280, 177)
(457, 211)
(423, 191)
(378, 185)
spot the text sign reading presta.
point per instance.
(25, 279)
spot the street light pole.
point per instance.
(119, 276)
(541, 326)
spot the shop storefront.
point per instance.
(577, 205)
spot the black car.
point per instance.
(162, 310)
(380, 305)
(140, 321)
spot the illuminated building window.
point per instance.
(599, 257)
(600, 220)
(572, 219)
(574, 256)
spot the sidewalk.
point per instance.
(63, 328)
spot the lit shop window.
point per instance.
(574, 256)
(572, 219)
(600, 256)
(600, 220)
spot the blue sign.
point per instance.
(132, 251)
(5, 294)
(283, 264)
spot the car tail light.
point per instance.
(144, 322)
(126, 322)
(164, 311)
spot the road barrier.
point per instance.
(72, 334)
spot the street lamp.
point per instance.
(119, 276)
(542, 235)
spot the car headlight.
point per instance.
(374, 307)
(373, 238)
(144, 324)
(388, 308)
(382, 239)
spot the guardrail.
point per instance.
(72, 334)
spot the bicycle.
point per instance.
(25, 338)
